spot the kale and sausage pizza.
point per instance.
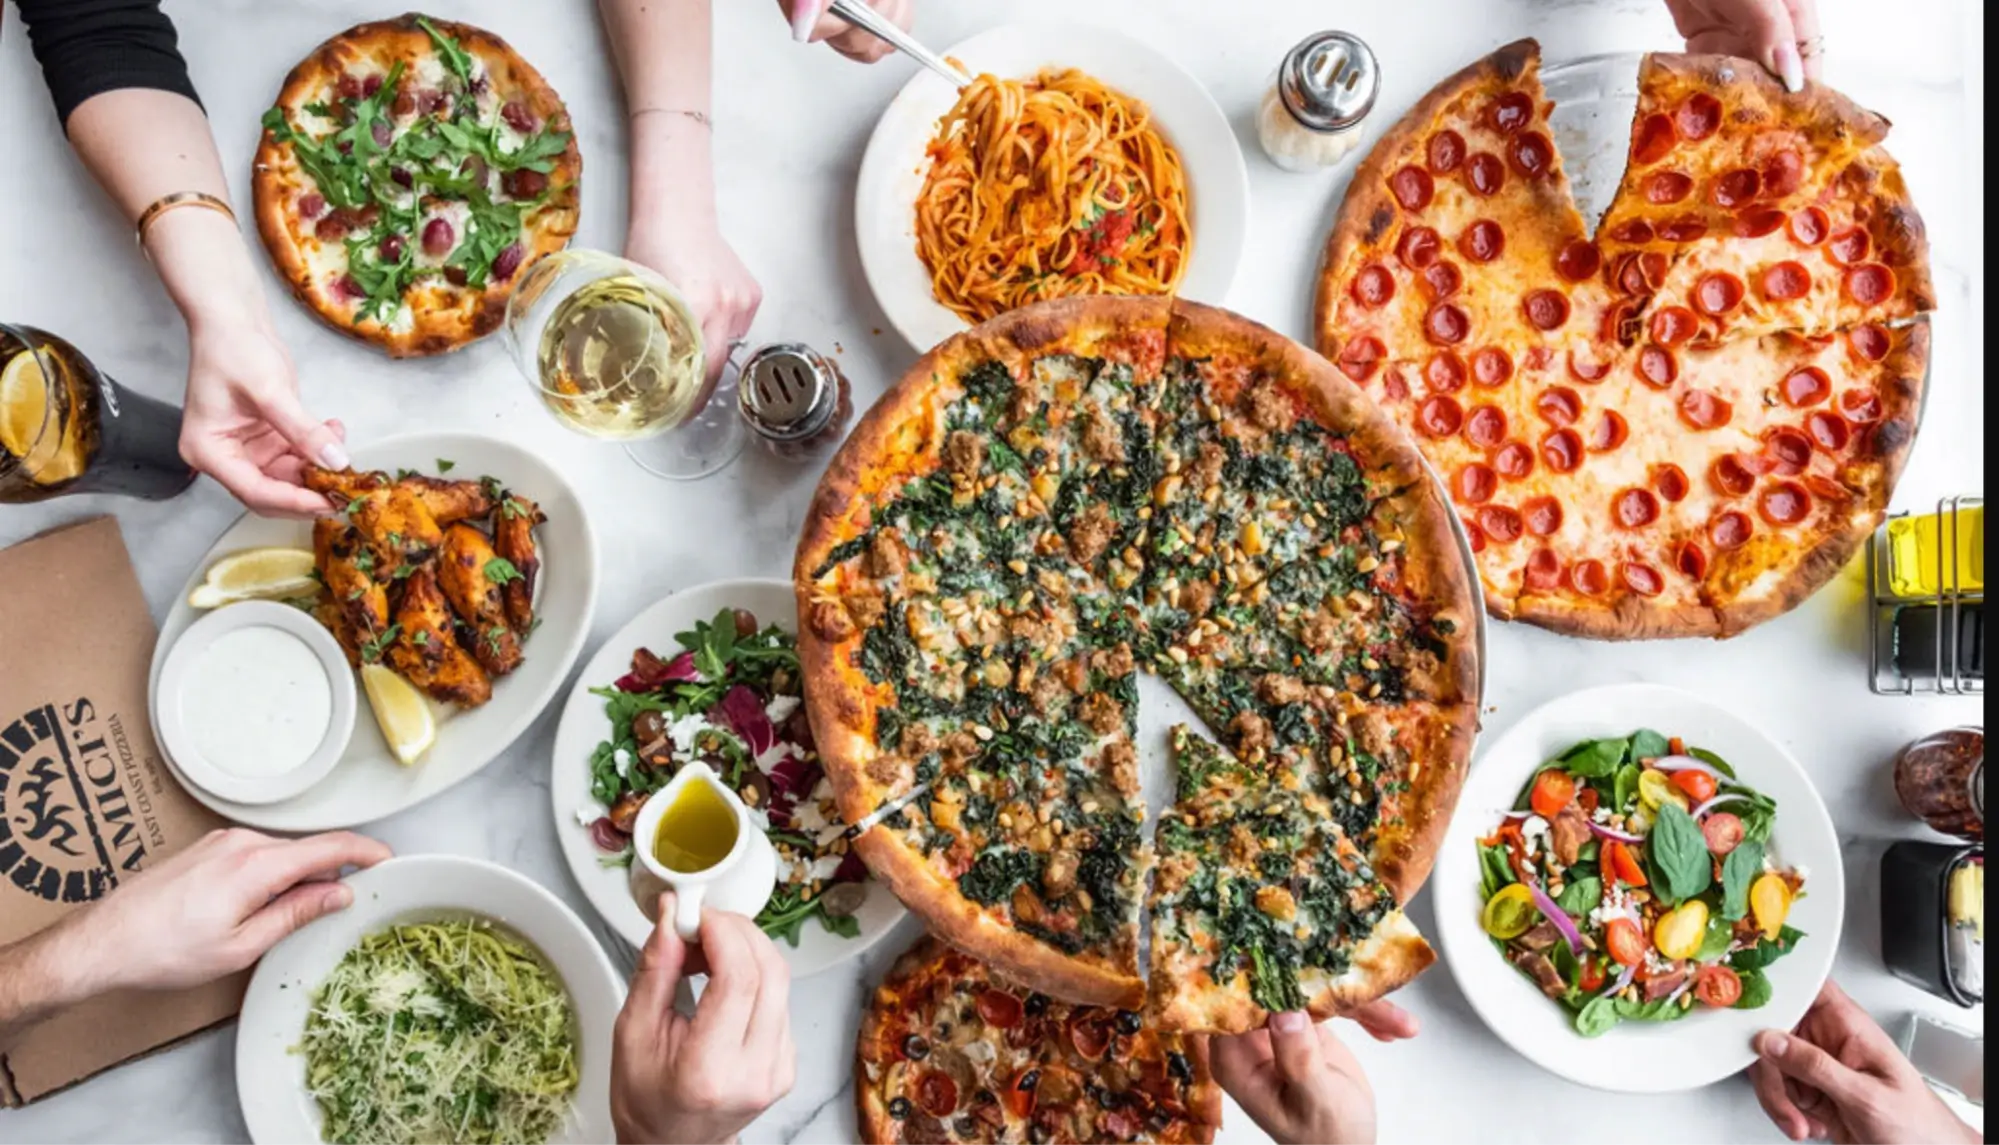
(1079, 491)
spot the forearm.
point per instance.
(44, 973)
(665, 57)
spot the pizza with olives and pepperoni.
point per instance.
(950, 1052)
(409, 170)
(1081, 490)
(1682, 423)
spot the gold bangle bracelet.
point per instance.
(165, 203)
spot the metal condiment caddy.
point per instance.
(1954, 612)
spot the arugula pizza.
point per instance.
(1080, 490)
(408, 171)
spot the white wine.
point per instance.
(621, 357)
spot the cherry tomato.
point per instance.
(1698, 785)
(1625, 942)
(1724, 832)
(1718, 986)
(1623, 863)
(1510, 912)
(1593, 975)
(1552, 791)
(1770, 901)
(1679, 931)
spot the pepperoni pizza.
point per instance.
(1681, 424)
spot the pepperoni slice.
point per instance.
(1491, 366)
(1786, 281)
(1588, 577)
(1652, 264)
(1483, 241)
(1657, 367)
(1730, 477)
(1394, 386)
(1826, 489)
(1633, 231)
(1730, 529)
(1485, 173)
(1514, 460)
(1586, 371)
(1683, 229)
(1562, 450)
(1578, 260)
(1546, 309)
(1652, 139)
(1869, 343)
(1664, 187)
(1000, 1009)
(1869, 284)
(1418, 247)
(1829, 431)
(1672, 325)
(1543, 514)
(1789, 448)
(1476, 483)
(1703, 409)
(1361, 357)
(1500, 523)
(1474, 536)
(1698, 117)
(1559, 406)
(1784, 173)
(1805, 386)
(1443, 279)
(1373, 286)
(1718, 292)
(1671, 482)
(1439, 416)
(1445, 372)
(1446, 151)
(937, 1093)
(1630, 275)
(1412, 187)
(1544, 570)
(1485, 426)
(1809, 226)
(1691, 560)
(1641, 578)
(1734, 188)
(1510, 112)
(1850, 246)
(1610, 432)
(1635, 508)
(1446, 324)
(1861, 406)
(1784, 503)
(1755, 222)
(1532, 154)
(1538, 358)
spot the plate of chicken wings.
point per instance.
(464, 565)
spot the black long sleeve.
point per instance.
(87, 47)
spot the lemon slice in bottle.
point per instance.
(256, 574)
(402, 712)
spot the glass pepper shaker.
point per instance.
(1310, 116)
(794, 399)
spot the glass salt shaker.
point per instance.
(794, 399)
(1310, 117)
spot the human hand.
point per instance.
(1298, 1082)
(810, 22)
(1782, 35)
(244, 425)
(702, 1079)
(1839, 1075)
(692, 254)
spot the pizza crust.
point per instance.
(1393, 955)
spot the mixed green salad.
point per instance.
(1633, 879)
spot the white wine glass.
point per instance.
(613, 351)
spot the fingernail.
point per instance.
(334, 456)
(1770, 1043)
(342, 896)
(1290, 1022)
(804, 15)
(1790, 67)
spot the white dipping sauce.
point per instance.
(257, 702)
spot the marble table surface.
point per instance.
(791, 124)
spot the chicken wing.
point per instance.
(342, 485)
(471, 574)
(513, 537)
(450, 502)
(427, 654)
(359, 602)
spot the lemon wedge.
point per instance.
(402, 712)
(256, 574)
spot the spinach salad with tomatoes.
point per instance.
(1633, 881)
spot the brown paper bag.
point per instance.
(85, 801)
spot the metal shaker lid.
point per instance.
(1329, 81)
(787, 391)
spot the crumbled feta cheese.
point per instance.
(589, 813)
(824, 866)
(622, 760)
(1532, 833)
(1602, 814)
(1655, 963)
(775, 754)
(808, 817)
(1616, 904)
(780, 708)
(683, 730)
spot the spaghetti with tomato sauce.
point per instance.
(1047, 188)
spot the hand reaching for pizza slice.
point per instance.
(1298, 1082)
(1782, 35)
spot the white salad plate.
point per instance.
(897, 160)
(583, 727)
(367, 783)
(1638, 1056)
(270, 1073)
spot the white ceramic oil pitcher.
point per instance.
(741, 882)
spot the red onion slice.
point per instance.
(1689, 763)
(1724, 797)
(1555, 914)
(1604, 832)
(1623, 980)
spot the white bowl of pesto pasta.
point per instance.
(1638, 1056)
(436, 953)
